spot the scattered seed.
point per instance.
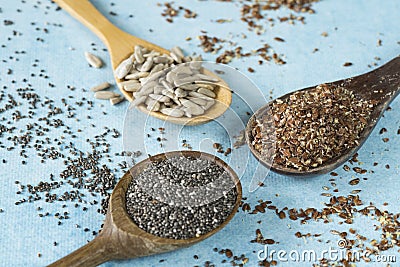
(105, 95)
(354, 181)
(279, 39)
(93, 60)
(116, 100)
(100, 87)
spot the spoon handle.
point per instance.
(89, 16)
(381, 85)
(92, 254)
(119, 43)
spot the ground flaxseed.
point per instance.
(311, 127)
(163, 215)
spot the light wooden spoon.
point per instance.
(120, 46)
(121, 238)
(379, 86)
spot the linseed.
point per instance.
(311, 127)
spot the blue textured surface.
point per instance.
(353, 28)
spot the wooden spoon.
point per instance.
(380, 86)
(121, 238)
(120, 46)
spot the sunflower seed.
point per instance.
(167, 85)
(205, 77)
(168, 93)
(189, 104)
(196, 94)
(176, 101)
(161, 59)
(173, 112)
(152, 53)
(187, 80)
(137, 66)
(182, 69)
(100, 87)
(180, 76)
(176, 57)
(137, 75)
(138, 54)
(177, 51)
(133, 71)
(132, 86)
(158, 89)
(187, 114)
(147, 88)
(157, 68)
(152, 77)
(209, 104)
(206, 92)
(170, 77)
(123, 68)
(160, 98)
(197, 110)
(139, 100)
(93, 60)
(206, 86)
(116, 100)
(198, 101)
(152, 105)
(105, 95)
(180, 92)
(189, 87)
(147, 64)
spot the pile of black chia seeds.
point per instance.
(170, 218)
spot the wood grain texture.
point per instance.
(121, 238)
(120, 46)
(380, 86)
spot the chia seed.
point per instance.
(169, 219)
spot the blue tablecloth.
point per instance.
(43, 48)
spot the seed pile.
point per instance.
(183, 90)
(311, 127)
(172, 220)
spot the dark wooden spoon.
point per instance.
(379, 86)
(121, 238)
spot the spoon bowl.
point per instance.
(380, 87)
(120, 46)
(121, 238)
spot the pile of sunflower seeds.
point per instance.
(170, 219)
(311, 126)
(162, 83)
